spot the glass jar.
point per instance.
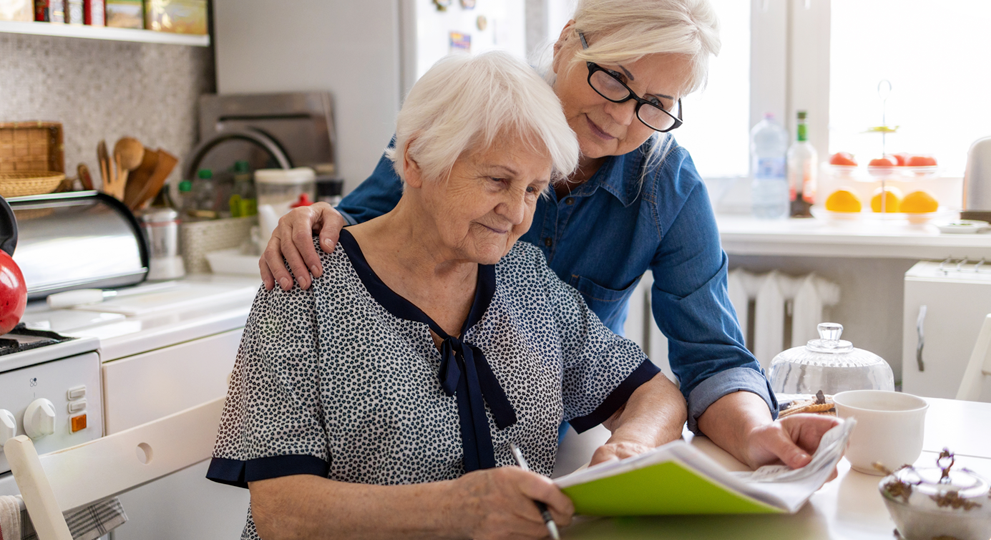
(280, 188)
(829, 364)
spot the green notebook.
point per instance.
(679, 478)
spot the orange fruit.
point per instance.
(843, 158)
(843, 200)
(921, 161)
(892, 197)
(918, 202)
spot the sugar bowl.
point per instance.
(938, 502)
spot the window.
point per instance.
(936, 57)
(717, 118)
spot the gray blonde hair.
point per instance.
(623, 31)
(464, 102)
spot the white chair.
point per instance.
(75, 477)
(979, 365)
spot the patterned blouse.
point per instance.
(344, 380)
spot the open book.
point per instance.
(678, 478)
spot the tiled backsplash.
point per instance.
(105, 90)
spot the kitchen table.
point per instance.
(850, 507)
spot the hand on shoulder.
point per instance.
(292, 243)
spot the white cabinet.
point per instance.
(148, 386)
(154, 384)
(956, 303)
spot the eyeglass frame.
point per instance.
(593, 67)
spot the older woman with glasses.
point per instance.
(384, 400)
(635, 203)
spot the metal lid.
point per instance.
(299, 175)
(159, 215)
(941, 487)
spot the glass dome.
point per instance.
(829, 364)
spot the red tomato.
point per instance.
(903, 159)
(886, 161)
(843, 158)
(922, 161)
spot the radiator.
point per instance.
(776, 312)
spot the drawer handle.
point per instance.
(920, 328)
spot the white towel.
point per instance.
(88, 523)
(10, 518)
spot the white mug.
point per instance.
(890, 428)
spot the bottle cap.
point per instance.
(185, 186)
(802, 115)
(204, 174)
(241, 166)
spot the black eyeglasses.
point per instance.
(607, 84)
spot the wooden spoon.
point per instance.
(138, 178)
(84, 176)
(128, 153)
(104, 159)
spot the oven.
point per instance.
(50, 390)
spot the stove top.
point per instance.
(25, 347)
(22, 339)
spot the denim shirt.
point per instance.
(603, 236)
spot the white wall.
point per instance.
(350, 49)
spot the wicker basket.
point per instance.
(201, 237)
(21, 184)
(31, 146)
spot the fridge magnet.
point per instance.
(482, 23)
(468, 4)
(442, 5)
(460, 42)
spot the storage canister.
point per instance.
(282, 187)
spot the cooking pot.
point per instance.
(13, 290)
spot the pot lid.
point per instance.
(941, 487)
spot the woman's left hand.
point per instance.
(791, 440)
(617, 450)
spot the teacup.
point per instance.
(890, 428)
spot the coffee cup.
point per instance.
(890, 428)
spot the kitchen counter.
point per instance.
(196, 307)
(746, 235)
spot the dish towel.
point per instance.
(88, 523)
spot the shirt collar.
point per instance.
(619, 176)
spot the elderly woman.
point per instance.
(635, 203)
(382, 400)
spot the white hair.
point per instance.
(463, 103)
(624, 31)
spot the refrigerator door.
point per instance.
(955, 305)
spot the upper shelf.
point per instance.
(102, 32)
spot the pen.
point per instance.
(544, 512)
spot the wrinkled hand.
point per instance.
(292, 240)
(617, 450)
(498, 503)
(790, 440)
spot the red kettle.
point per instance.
(13, 290)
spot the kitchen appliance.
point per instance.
(945, 305)
(269, 130)
(829, 364)
(81, 239)
(49, 390)
(977, 182)
(366, 54)
(13, 292)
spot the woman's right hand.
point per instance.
(499, 503)
(292, 240)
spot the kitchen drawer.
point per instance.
(148, 386)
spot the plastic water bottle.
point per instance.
(769, 150)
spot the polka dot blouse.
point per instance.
(344, 380)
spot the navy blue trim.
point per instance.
(238, 473)
(403, 308)
(617, 398)
(464, 372)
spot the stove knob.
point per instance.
(8, 427)
(39, 419)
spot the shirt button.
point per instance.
(569, 201)
(548, 242)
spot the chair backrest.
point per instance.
(68, 479)
(979, 365)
